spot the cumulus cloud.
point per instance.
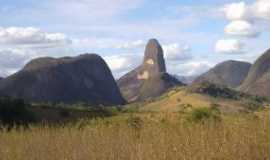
(177, 52)
(13, 59)
(18, 45)
(241, 28)
(32, 37)
(190, 68)
(261, 9)
(121, 64)
(245, 17)
(237, 11)
(229, 46)
(132, 45)
(197, 68)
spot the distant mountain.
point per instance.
(150, 79)
(229, 73)
(258, 79)
(186, 79)
(1, 78)
(85, 78)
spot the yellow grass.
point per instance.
(177, 99)
(159, 136)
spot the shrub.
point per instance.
(15, 112)
(216, 91)
(254, 105)
(64, 113)
(131, 109)
(204, 114)
(134, 122)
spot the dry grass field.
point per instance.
(144, 136)
(179, 99)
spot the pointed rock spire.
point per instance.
(150, 79)
(154, 58)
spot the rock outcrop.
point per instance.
(85, 78)
(150, 79)
(258, 79)
(229, 73)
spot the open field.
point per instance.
(180, 99)
(138, 136)
(177, 125)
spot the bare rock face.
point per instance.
(229, 73)
(258, 79)
(153, 58)
(150, 79)
(85, 78)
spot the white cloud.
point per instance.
(18, 45)
(94, 42)
(237, 11)
(13, 59)
(177, 52)
(32, 37)
(261, 9)
(246, 17)
(197, 68)
(190, 68)
(229, 46)
(241, 28)
(132, 45)
(121, 64)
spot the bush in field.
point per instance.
(216, 91)
(14, 112)
(134, 122)
(204, 114)
(254, 105)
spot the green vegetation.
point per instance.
(216, 91)
(156, 136)
(173, 126)
(15, 112)
(203, 114)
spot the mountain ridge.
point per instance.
(229, 73)
(258, 79)
(84, 78)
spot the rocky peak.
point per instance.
(153, 63)
(150, 79)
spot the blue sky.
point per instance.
(195, 35)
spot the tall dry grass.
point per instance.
(147, 138)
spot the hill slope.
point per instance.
(203, 95)
(229, 73)
(258, 79)
(85, 78)
(150, 79)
